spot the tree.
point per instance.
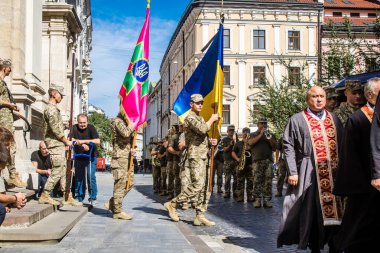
(103, 126)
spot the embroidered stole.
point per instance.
(325, 149)
(367, 112)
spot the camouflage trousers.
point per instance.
(218, 170)
(58, 169)
(229, 170)
(8, 124)
(156, 174)
(120, 176)
(244, 175)
(281, 175)
(163, 179)
(185, 175)
(174, 181)
(197, 189)
(262, 179)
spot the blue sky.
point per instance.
(116, 26)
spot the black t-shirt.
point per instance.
(164, 160)
(87, 134)
(43, 162)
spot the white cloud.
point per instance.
(113, 44)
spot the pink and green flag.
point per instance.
(134, 91)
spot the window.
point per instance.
(226, 71)
(258, 76)
(226, 114)
(294, 40)
(294, 76)
(337, 14)
(372, 15)
(371, 64)
(258, 39)
(226, 38)
(355, 14)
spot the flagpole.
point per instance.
(212, 150)
(131, 161)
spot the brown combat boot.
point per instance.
(122, 216)
(46, 199)
(170, 197)
(267, 203)
(200, 219)
(15, 181)
(71, 201)
(257, 203)
(109, 205)
(278, 194)
(172, 210)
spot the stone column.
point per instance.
(277, 48)
(241, 38)
(277, 72)
(312, 71)
(311, 32)
(242, 94)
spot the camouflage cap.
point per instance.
(196, 98)
(57, 88)
(330, 93)
(5, 62)
(231, 127)
(353, 85)
(262, 120)
(246, 130)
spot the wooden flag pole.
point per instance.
(131, 161)
(212, 150)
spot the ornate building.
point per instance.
(48, 41)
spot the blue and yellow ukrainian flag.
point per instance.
(207, 80)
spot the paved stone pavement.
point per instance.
(240, 227)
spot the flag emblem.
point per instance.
(140, 70)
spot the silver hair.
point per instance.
(370, 87)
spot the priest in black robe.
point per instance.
(359, 230)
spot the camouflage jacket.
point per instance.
(344, 111)
(53, 126)
(196, 136)
(174, 144)
(121, 138)
(6, 116)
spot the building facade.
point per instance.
(259, 36)
(48, 41)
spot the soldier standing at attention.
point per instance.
(169, 165)
(229, 165)
(55, 141)
(6, 120)
(121, 142)
(354, 94)
(156, 172)
(162, 156)
(197, 142)
(174, 170)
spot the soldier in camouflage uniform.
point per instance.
(262, 146)
(174, 150)
(164, 164)
(331, 99)
(229, 165)
(184, 167)
(7, 105)
(122, 133)
(56, 141)
(197, 143)
(169, 166)
(156, 169)
(218, 170)
(244, 173)
(354, 94)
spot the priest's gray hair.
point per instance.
(370, 87)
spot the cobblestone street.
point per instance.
(240, 227)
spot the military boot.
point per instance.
(122, 216)
(15, 181)
(220, 189)
(267, 203)
(200, 219)
(170, 197)
(257, 203)
(109, 204)
(46, 199)
(278, 194)
(71, 201)
(172, 210)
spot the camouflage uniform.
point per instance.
(344, 111)
(121, 142)
(244, 174)
(6, 121)
(164, 171)
(184, 166)
(174, 170)
(197, 143)
(229, 168)
(156, 172)
(218, 170)
(53, 133)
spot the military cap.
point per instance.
(330, 93)
(246, 130)
(196, 98)
(5, 62)
(262, 120)
(353, 85)
(231, 127)
(57, 88)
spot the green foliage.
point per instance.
(103, 126)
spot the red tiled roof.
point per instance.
(355, 4)
(355, 21)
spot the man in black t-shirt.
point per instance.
(83, 134)
(42, 163)
(163, 161)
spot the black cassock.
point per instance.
(360, 225)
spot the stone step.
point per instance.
(30, 194)
(48, 230)
(31, 213)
